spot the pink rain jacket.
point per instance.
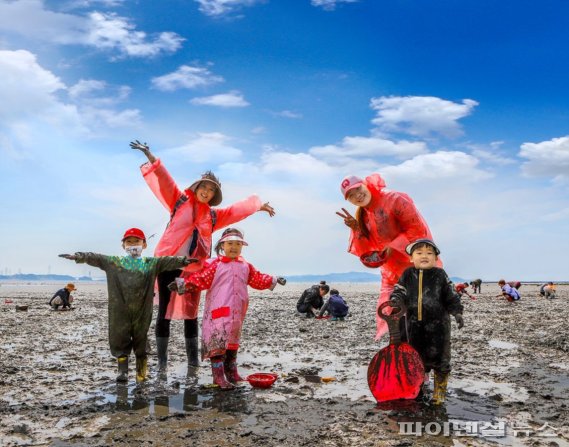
(393, 221)
(226, 301)
(189, 215)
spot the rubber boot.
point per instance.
(192, 351)
(440, 390)
(123, 369)
(230, 364)
(162, 351)
(141, 368)
(218, 372)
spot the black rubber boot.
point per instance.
(162, 351)
(123, 369)
(192, 351)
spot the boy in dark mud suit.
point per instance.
(130, 284)
(430, 297)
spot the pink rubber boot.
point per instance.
(218, 372)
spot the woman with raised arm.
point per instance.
(192, 222)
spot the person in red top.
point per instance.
(461, 290)
(385, 223)
(189, 233)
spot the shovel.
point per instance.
(396, 371)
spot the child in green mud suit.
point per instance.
(429, 296)
(130, 284)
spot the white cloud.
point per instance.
(364, 147)
(546, 159)
(96, 92)
(205, 148)
(186, 77)
(494, 158)
(420, 115)
(30, 103)
(230, 99)
(289, 114)
(330, 5)
(438, 166)
(216, 8)
(105, 31)
(79, 4)
(110, 31)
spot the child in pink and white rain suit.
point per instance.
(192, 222)
(226, 279)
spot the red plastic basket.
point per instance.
(262, 380)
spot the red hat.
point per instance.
(350, 182)
(134, 232)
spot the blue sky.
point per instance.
(462, 105)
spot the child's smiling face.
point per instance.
(232, 249)
(424, 257)
(205, 192)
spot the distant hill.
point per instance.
(336, 277)
(34, 277)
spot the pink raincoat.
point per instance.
(190, 215)
(226, 301)
(393, 221)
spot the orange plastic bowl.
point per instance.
(262, 380)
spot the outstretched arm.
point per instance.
(260, 281)
(94, 259)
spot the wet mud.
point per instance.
(57, 378)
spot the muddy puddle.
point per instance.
(509, 384)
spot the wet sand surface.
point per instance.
(57, 377)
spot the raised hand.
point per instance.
(140, 146)
(349, 220)
(66, 256)
(268, 208)
(137, 145)
(281, 280)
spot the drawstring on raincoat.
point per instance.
(420, 299)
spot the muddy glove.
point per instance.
(281, 280)
(459, 320)
(372, 259)
(66, 256)
(178, 285)
(140, 146)
(189, 261)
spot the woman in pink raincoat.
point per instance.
(192, 222)
(226, 279)
(385, 223)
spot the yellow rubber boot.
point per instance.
(141, 369)
(440, 391)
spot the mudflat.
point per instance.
(57, 377)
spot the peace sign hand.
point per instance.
(349, 220)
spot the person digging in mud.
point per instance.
(335, 306)
(63, 298)
(476, 285)
(312, 300)
(226, 279)
(547, 290)
(460, 288)
(430, 299)
(130, 285)
(192, 222)
(508, 291)
(384, 224)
